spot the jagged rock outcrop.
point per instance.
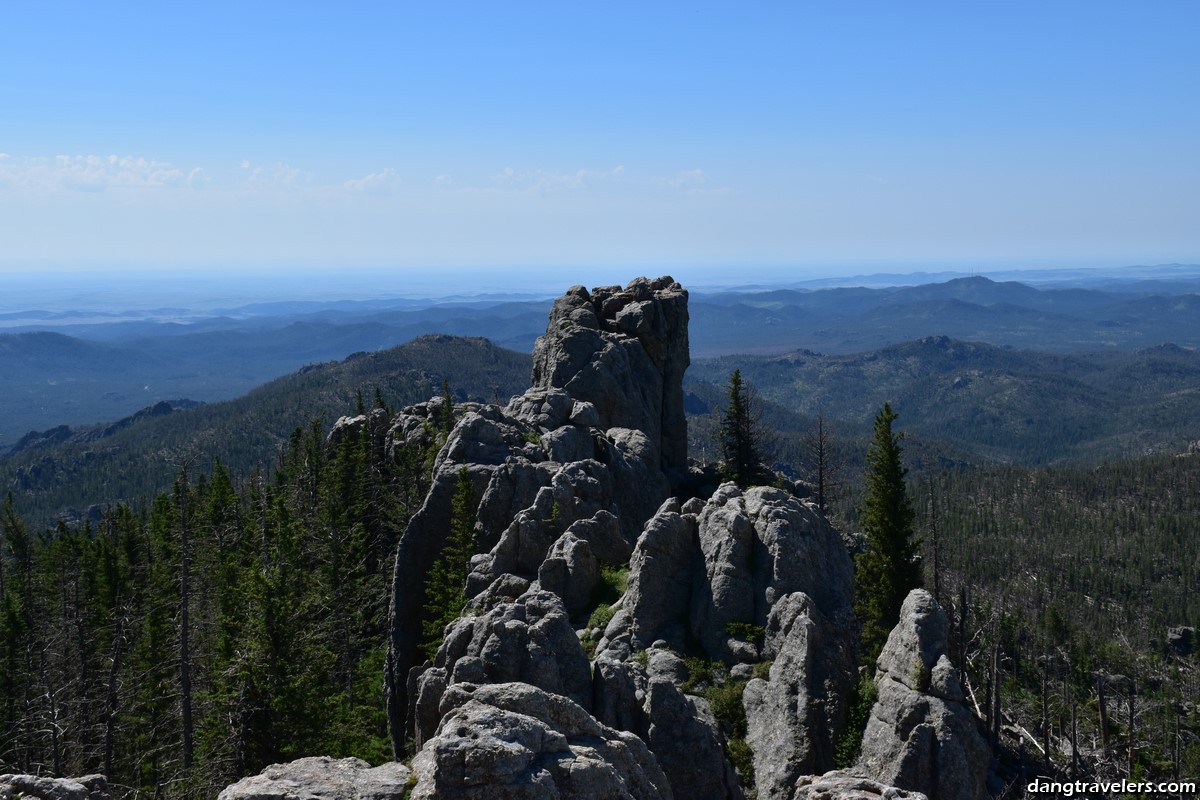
(323, 778)
(528, 639)
(581, 455)
(37, 787)
(759, 546)
(679, 728)
(624, 350)
(796, 718)
(513, 741)
(1182, 640)
(920, 735)
(708, 575)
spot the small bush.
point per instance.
(746, 631)
(862, 698)
(601, 617)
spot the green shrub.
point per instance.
(862, 698)
(746, 631)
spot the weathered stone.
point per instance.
(1182, 640)
(323, 778)
(513, 741)
(602, 532)
(661, 572)
(513, 486)
(757, 547)
(529, 640)
(687, 743)
(795, 719)
(625, 352)
(572, 571)
(841, 785)
(544, 407)
(38, 787)
(914, 738)
(377, 424)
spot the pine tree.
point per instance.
(445, 586)
(740, 436)
(890, 567)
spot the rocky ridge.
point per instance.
(723, 664)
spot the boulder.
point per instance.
(572, 571)
(758, 546)
(38, 787)
(514, 741)
(529, 639)
(323, 778)
(662, 569)
(920, 736)
(841, 785)
(1182, 640)
(796, 718)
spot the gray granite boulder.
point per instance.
(920, 735)
(796, 718)
(323, 778)
(758, 546)
(841, 785)
(38, 787)
(514, 741)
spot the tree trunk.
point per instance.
(185, 600)
(1103, 711)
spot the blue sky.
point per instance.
(776, 137)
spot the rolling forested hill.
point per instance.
(989, 404)
(72, 469)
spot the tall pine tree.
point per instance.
(740, 436)
(890, 567)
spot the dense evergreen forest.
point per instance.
(1065, 585)
(230, 623)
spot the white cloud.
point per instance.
(376, 183)
(541, 181)
(281, 177)
(689, 178)
(91, 173)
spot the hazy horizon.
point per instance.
(104, 295)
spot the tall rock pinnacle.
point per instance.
(624, 351)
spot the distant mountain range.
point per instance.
(55, 374)
(960, 403)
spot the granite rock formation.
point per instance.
(920, 735)
(545, 687)
(513, 741)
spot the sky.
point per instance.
(760, 139)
